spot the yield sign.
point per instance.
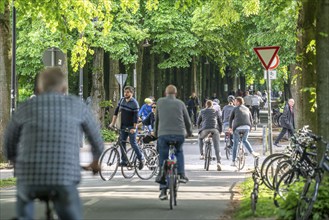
(266, 55)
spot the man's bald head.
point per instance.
(171, 90)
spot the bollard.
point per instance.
(264, 139)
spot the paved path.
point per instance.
(206, 196)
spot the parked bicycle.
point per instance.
(276, 116)
(256, 176)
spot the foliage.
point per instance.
(108, 135)
(7, 182)
(265, 205)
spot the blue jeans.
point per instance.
(133, 142)
(236, 139)
(66, 201)
(163, 148)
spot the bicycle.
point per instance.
(255, 119)
(256, 176)
(311, 188)
(109, 161)
(228, 145)
(208, 151)
(276, 117)
(241, 153)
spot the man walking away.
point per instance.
(210, 122)
(192, 107)
(172, 123)
(287, 121)
(43, 139)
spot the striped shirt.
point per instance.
(129, 112)
(44, 137)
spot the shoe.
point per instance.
(141, 164)
(163, 194)
(201, 157)
(183, 179)
(233, 164)
(255, 154)
(123, 164)
(277, 145)
(161, 179)
(219, 168)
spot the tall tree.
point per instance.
(322, 51)
(5, 72)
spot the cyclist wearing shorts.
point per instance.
(172, 122)
(240, 122)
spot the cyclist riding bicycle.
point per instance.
(172, 122)
(210, 123)
(240, 122)
(129, 117)
(226, 114)
(256, 99)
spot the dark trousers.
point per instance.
(192, 111)
(254, 109)
(282, 133)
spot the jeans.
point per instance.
(133, 142)
(163, 147)
(236, 139)
(66, 201)
(282, 133)
(215, 139)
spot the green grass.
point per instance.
(7, 182)
(265, 207)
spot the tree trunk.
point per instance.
(97, 89)
(5, 72)
(194, 80)
(322, 51)
(139, 69)
(114, 91)
(305, 74)
(152, 74)
(146, 83)
(65, 70)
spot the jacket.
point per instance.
(287, 118)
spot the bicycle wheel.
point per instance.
(109, 163)
(266, 169)
(208, 157)
(228, 149)
(129, 171)
(151, 164)
(282, 188)
(176, 186)
(308, 197)
(282, 166)
(241, 158)
(253, 198)
(171, 188)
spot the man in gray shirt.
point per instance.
(240, 122)
(43, 140)
(172, 123)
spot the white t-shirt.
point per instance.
(256, 100)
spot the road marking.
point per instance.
(91, 202)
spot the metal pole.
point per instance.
(52, 56)
(269, 89)
(135, 80)
(81, 83)
(121, 84)
(13, 63)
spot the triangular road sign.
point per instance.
(266, 55)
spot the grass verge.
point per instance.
(7, 182)
(265, 207)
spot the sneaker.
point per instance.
(141, 164)
(233, 164)
(255, 154)
(163, 194)
(161, 179)
(277, 145)
(123, 164)
(183, 178)
(201, 157)
(219, 168)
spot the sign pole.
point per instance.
(269, 90)
(121, 86)
(13, 63)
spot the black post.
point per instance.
(13, 63)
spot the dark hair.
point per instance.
(130, 88)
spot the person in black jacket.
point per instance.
(287, 121)
(192, 107)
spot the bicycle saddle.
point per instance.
(43, 195)
(172, 143)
